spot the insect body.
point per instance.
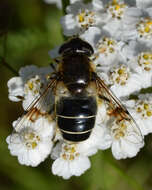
(76, 113)
(77, 89)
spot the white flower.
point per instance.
(122, 80)
(124, 139)
(81, 16)
(139, 59)
(145, 61)
(107, 52)
(115, 11)
(29, 85)
(91, 36)
(33, 143)
(141, 110)
(32, 89)
(137, 25)
(70, 162)
(143, 65)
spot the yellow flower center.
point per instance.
(30, 85)
(81, 16)
(144, 28)
(86, 18)
(106, 46)
(116, 9)
(69, 152)
(144, 109)
(145, 60)
(31, 139)
(119, 129)
(119, 134)
(33, 85)
(119, 75)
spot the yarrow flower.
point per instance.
(138, 25)
(71, 161)
(123, 81)
(108, 50)
(123, 139)
(33, 143)
(115, 10)
(29, 85)
(141, 110)
(81, 16)
(138, 56)
(120, 35)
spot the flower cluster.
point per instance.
(120, 33)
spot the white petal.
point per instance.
(34, 158)
(66, 168)
(103, 136)
(60, 167)
(15, 87)
(123, 148)
(97, 5)
(116, 150)
(91, 35)
(28, 72)
(45, 127)
(130, 149)
(69, 25)
(79, 165)
(44, 149)
(56, 150)
(143, 4)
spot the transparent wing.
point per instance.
(116, 109)
(40, 106)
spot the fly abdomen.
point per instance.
(76, 117)
(76, 129)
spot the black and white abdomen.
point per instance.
(76, 117)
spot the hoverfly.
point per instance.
(77, 88)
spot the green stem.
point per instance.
(2, 58)
(65, 3)
(4, 63)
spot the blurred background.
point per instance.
(28, 30)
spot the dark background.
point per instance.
(28, 30)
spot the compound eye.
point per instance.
(88, 51)
(76, 45)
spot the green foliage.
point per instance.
(29, 30)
